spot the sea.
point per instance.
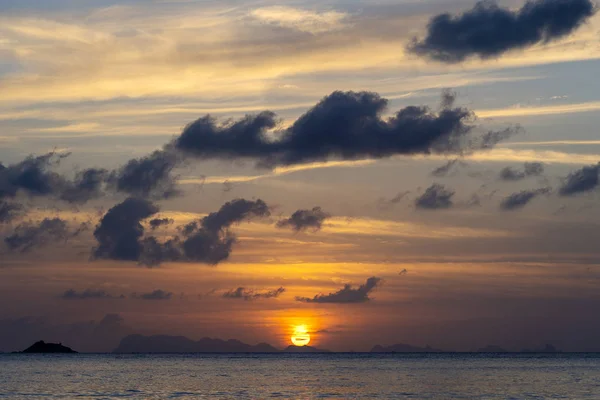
(300, 376)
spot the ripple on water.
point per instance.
(331, 376)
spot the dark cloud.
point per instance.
(305, 219)
(246, 137)
(529, 169)
(327, 332)
(249, 294)
(403, 272)
(72, 294)
(120, 234)
(435, 197)
(87, 185)
(154, 252)
(32, 176)
(582, 180)
(398, 198)
(9, 211)
(234, 211)
(492, 138)
(488, 30)
(209, 247)
(120, 230)
(30, 235)
(343, 125)
(521, 199)
(448, 168)
(347, 294)
(159, 222)
(148, 177)
(155, 295)
(385, 204)
(209, 240)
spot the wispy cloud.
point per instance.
(539, 110)
(279, 171)
(302, 20)
(549, 157)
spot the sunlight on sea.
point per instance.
(300, 376)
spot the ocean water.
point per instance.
(300, 376)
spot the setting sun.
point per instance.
(300, 336)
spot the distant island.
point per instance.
(304, 349)
(43, 347)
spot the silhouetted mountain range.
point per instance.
(181, 344)
(43, 347)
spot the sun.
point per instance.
(300, 336)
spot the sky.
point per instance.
(380, 172)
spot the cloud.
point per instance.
(448, 168)
(580, 181)
(249, 294)
(347, 294)
(530, 169)
(72, 294)
(488, 31)
(87, 185)
(9, 211)
(298, 19)
(148, 177)
(120, 230)
(305, 219)
(246, 137)
(521, 199)
(120, 234)
(328, 332)
(29, 235)
(31, 176)
(159, 222)
(398, 198)
(435, 197)
(155, 295)
(227, 186)
(209, 239)
(342, 126)
(234, 211)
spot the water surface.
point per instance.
(300, 376)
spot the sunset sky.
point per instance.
(237, 168)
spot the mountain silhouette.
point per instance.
(43, 347)
(181, 344)
(404, 348)
(304, 349)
